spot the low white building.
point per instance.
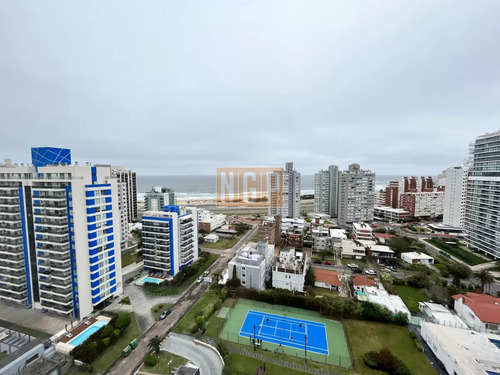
(381, 297)
(321, 243)
(288, 224)
(351, 250)
(481, 312)
(393, 214)
(380, 253)
(337, 236)
(211, 238)
(362, 232)
(209, 221)
(253, 265)
(438, 314)
(417, 258)
(463, 352)
(290, 269)
(327, 279)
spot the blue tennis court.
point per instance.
(286, 331)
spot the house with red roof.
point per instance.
(327, 279)
(481, 312)
(360, 282)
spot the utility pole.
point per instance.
(254, 337)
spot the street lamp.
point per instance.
(169, 362)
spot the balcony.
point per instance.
(21, 298)
(10, 218)
(66, 309)
(50, 204)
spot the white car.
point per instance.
(370, 272)
(199, 279)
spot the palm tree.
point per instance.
(485, 277)
(155, 344)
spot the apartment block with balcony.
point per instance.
(357, 195)
(252, 264)
(482, 207)
(60, 227)
(170, 239)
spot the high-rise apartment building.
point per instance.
(59, 232)
(482, 208)
(357, 195)
(130, 180)
(291, 193)
(158, 198)
(454, 196)
(170, 239)
(326, 191)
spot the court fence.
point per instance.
(278, 308)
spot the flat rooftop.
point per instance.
(415, 255)
(473, 352)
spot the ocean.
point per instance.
(203, 187)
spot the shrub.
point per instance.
(386, 361)
(160, 306)
(413, 335)
(369, 358)
(114, 336)
(122, 321)
(106, 341)
(150, 361)
(419, 346)
(125, 301)
(155, 309)
(106, 331)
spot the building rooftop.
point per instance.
(387, 236)
(415, 255)
(486, 307)
(363, 281)
(381, 249)
(441, 315)
(472, 352)
(361, 226)
(381, 297)
(327, 276)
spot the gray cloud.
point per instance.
(169, 87)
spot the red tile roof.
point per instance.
(486, 307)
(326, 276)
(363, 281)
(387, 236)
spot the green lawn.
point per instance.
(129, 258)
(411, 296)
(113, 352)
(162, 367)
(247, 365)
(458, 252)
(366, 336)
(169, 290)
(2, 355)
(324, 291)
(204, 307)
(222, 244)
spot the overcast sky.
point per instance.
(183, 87)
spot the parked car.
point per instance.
(328, 263)
(352, 265)
(370, 272)
(199, 279)
(317, 261)
(205, 273)
(164, 314)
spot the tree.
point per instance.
(309, 279)
(485, 277)
(155, 344)
(399, 245)
(459, 272)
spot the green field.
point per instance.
(458, 252)
(162, 367)
(337, 344)
(129, 258)
(411, 296)
(366, 336)
(222, 244)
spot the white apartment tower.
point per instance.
(291, 194)
(326, 191)
(130, 180)
(59, 234)
(482, 209)
(357, 195)
(454, 196)
(170, 239)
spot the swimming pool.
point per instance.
(87, 333)
(148, 279)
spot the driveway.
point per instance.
(142, 304)
(207, 359)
